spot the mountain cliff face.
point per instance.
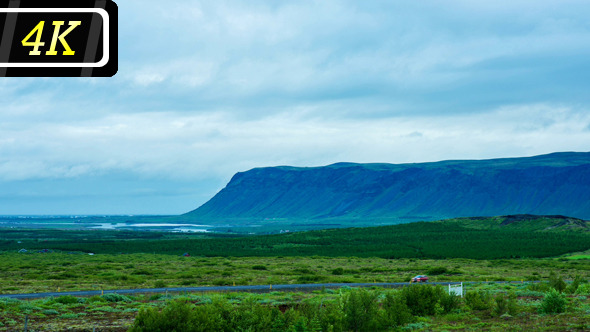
(554, 184)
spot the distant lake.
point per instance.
(162, 226)
(138, 223)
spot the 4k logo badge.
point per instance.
(58, 38)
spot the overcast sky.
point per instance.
(206, 89)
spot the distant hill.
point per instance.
(553, 184)
(524, 222)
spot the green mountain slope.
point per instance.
(554, 184)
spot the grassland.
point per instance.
(28, 273)
(491, 307)
(446, 251)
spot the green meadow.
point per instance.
(548, 273)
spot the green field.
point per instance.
(481, 251)
(28, 273)
(481, 239)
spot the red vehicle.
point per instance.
(420, 278)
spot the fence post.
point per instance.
(26, 323)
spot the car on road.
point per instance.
(420, 278)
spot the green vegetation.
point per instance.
(488, 250)
(437, 240)
(417, 307)
(50, 272)
(524, 223)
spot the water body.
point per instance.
(138, 223)
(186, 228)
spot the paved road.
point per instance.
(249, 289)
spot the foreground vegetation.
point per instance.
(496, 307)
(50, 272)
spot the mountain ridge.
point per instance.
(551, 184)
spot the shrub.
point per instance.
(557, 282)
(539, 287)
(435, 271)
(156, 297)
(449, 302)
(505, 304)
(553, 303)
(416, 326)
(96, 298)
(338, 271)
(422, 299)
(360, 308)
(303, 270)
(106, 309)
(221, 282)
(478, 300)
(50, 312)
(331, 317)
(259, 267)
(583, 289)
(309, 278)
(66, 299)
(160, 284)
(176, 316)
(573, 287)
(395, 311)
(114, 297)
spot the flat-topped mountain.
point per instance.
(553, 184)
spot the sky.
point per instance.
(206, 89)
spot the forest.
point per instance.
(437, 240)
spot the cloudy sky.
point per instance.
(206, 89)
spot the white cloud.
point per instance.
(177, 145)
(208, 88)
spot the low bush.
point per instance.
(396, 312)
(360, 308)
(583, 289)
(573, 287)
(553, 303)
(66, 299)
(159, 284)
(556, 282)
(176, 316)
(539, 287)
(310, 278)
(422, 299)
(114, 297)
(221, 282)
(479, 300)
(435, 271)
(50, 312)
(259, 267)
(505, 304)
(449, 302)
(96, 298)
